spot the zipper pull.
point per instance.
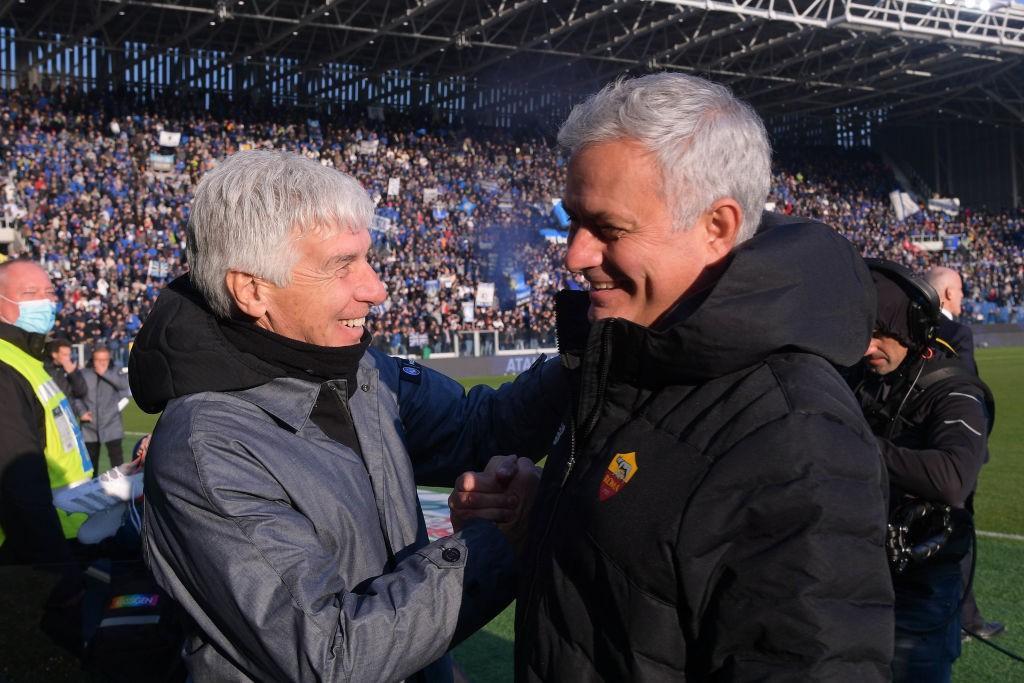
(572, 452)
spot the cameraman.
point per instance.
(931, 415)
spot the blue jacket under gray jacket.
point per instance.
(294, 558)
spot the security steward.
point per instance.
(931, 415)
(42, 448)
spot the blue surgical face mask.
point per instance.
(37, 315)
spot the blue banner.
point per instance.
(521, 289)
(560, 215)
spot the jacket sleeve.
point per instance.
(946, 468)
(449, 431)
(256, 576)
(77, 383)
(123, 389)
(783, 557)
(83, 403)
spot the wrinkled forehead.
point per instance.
(21, 278)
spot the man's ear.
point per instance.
(722, 227)
(250, 294)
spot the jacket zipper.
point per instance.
(343, 400)
(604, 359)
(572, 452)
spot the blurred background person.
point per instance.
(65, 372)
(107, 393)
(950, 288)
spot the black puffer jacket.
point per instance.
(715, 507)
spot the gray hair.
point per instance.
(246, 212)
(709, 145)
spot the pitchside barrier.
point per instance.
(509, 362)
(503, 363)
(996, 334)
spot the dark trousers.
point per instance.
(970, 616)
(928, 627)
(113, 450)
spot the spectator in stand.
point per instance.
(64, 371)
(107, 393)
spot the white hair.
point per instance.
(709, 145)
(246, 212)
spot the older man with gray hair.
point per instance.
(281, 505)
(714, 508)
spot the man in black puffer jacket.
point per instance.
(714, 507)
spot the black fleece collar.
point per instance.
(31, 343)
(294, 358)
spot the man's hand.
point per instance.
(86, 416)
(69, 366)
(503, 493)
(485, 494)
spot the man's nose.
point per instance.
(584, 251)
(872, 347)
(371, 290)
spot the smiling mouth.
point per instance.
(601, 286)
(354, 322)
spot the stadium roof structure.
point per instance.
(914, 60)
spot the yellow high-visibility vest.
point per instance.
(67, 460)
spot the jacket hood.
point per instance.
(797, 285)
(181, 350)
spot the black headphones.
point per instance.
(923, 311)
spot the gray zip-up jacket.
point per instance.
(294, 558)
(103, 392)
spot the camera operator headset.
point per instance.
(931, 416)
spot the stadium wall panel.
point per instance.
(483, 366)
(998, 335)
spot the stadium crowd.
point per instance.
(454, 210)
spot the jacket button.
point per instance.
(365, 387)
(451, 554)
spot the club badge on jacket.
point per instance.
(620, 470)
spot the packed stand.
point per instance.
(467, 209)
(849, 190)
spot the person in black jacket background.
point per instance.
(950, 288)
(931, 415)
(713, 507)
(65, 371)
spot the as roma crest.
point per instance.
(620, 470)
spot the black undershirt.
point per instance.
(323, 365)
